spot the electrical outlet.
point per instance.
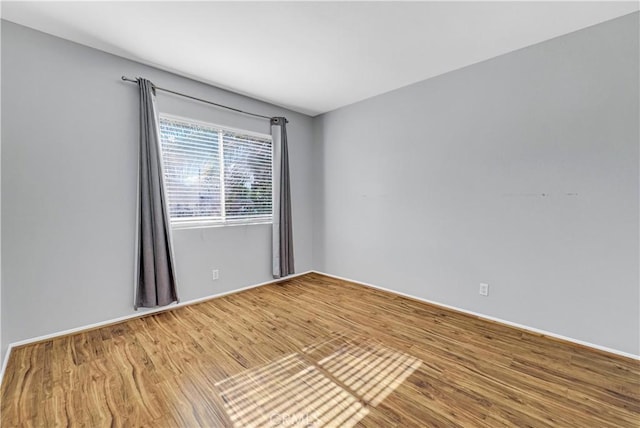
(216, 274)
(484, 289)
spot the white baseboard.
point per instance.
(490, 318)
(141, 312)
(4, 362)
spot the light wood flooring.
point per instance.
(315, 351)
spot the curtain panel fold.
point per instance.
(155, 272)
(283, 263)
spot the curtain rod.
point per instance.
(126, 79)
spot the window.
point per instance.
(215, 175)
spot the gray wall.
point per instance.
(68, 188)
(1, 347)
(521, 171)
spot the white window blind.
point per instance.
(215, 175)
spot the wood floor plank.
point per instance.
(316, 351)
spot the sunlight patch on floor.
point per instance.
(328, 384)
(371, 372)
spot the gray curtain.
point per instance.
(155, 273)
(283, 264)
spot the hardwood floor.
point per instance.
(315, 351)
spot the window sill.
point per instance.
(211, 224)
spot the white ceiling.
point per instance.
(311, 57)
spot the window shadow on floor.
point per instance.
(326, 384)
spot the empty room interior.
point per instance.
(320, 214)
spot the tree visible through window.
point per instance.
(202, 162)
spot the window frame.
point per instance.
(202, 222)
